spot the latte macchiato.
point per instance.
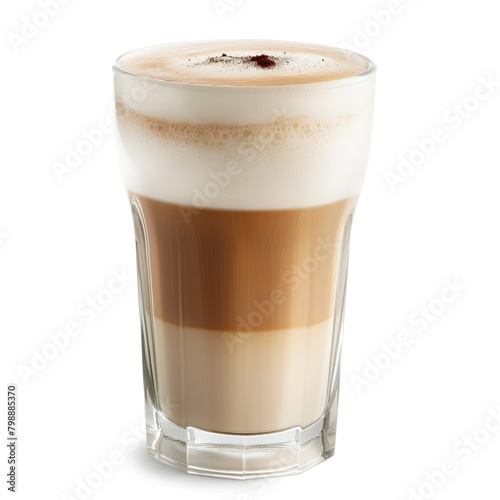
(243, 161)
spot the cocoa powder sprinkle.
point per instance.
(264, 61)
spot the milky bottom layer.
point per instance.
(225, 381)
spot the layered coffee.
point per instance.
(243, 304)
(244, 182)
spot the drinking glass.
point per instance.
(242, 200)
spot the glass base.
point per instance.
(245, 456)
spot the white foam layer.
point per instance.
(237, 147)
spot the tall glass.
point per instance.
(242, 199)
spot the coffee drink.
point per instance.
(243, 161)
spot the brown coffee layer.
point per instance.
(236, 270)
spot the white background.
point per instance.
(61, 240)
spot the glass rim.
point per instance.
(340, 82)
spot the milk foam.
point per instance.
(227, 63)
(263, 145)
